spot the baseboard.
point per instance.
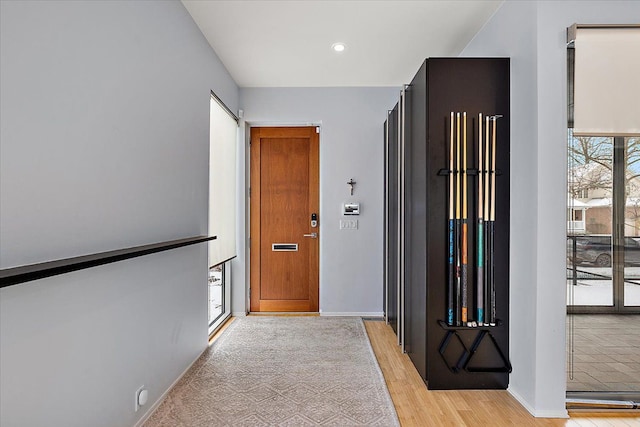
(158, 402)
(352, 313)
(238, 313)
(534, 412)
(551, 414)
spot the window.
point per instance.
(217, 286)
(223, 140)
(577, 215)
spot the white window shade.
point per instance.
(607, 82)
(222, 184)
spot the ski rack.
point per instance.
(467, 354)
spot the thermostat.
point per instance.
(351, 209)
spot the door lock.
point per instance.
(314, 220)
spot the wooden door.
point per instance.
(284, 195)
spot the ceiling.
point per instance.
(266, 43)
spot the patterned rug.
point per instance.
(283, 371)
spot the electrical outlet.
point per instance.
(137, 398)
(348, 224)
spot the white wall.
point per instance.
(512, 33)
(533, 34)
(104, 145)
(351, 146)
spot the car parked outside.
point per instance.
(596, 249)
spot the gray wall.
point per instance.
(533, 34)
(351, 146)
(104, 145)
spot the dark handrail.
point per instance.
(27, 273)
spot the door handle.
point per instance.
(312, 235)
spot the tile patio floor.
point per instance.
(606, 352)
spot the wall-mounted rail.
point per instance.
(27, 273)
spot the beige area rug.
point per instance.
(283, 371)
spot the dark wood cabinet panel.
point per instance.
(393, 217)
(442, 86)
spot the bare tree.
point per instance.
(591, 164)
(591, 168)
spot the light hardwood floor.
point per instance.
(417, 406)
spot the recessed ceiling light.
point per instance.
(339, 47)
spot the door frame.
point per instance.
(248, 125)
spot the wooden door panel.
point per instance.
(284, 193)
(284, 190)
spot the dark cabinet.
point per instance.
(392, 219)
(446, 356)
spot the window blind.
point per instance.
(222, 183)
(606, 84)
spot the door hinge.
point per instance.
(249, 191)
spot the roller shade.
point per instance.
(606, 82)
(222, 183)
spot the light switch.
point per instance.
(348, 224)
